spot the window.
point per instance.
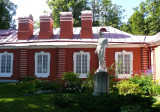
(124, 65)
(42, 64)
(81, 63)
(6, 64)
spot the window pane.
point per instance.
(127, 63)
(45, 63)
(78, 63)
(8, 64)
(39, 64)
(120, 63)
(3, 64)
(84, 63)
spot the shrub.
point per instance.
(55, 85)
(112, 83)
(146, 83)
(35, 86)
(88, 84)
(63, 100)
(127, 87)
(113, 80)
(103, 103)
(134, 108)
(28, 78)
(72, 82)
(27, 87)
(155, 89)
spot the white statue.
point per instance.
(100, 50)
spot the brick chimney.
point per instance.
(46, 26)
(25, 27)
(66, 25)
(86, 24)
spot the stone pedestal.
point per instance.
(101, 84)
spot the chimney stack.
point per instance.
(66, 25)
(46, 26)
(25, 27)
(86, 24)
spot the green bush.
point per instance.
(88, 84)
(63, 100)
(144, 81)
(38, 86)
(72, 82)
(55, 85)
(155, 89)
(112, 83)
(28, 78)
(104, 103)
(134, 108)
(128, 87)
(27, 87)
(148, 86)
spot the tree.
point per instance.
(75, 6)
(146, 18)
(125, 27)
(113, 15)
(7, 11)
(137, 23)
(106, 13)
(153, 19)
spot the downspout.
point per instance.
(149, 54)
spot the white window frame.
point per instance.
(88, 62)
(11, 71)
(123, 76)
(42, 75)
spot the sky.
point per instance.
(36, 7)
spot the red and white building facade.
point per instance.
(49, 52)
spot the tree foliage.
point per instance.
(7, 11)
(104, 12)
(112, 13)
(145, 20)
(75, 6)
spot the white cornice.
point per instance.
(66, 45)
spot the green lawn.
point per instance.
(11, 101)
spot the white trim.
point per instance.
(11, 69)
(88, 62)
(26, 21)
(43, 75)
(122, 76)
(66, 20)
(86, 19)
(49, 19)
(66, 17)
(85, 16)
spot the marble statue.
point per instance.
(100, 50)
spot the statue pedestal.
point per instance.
(101, 84)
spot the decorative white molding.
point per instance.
(82, 75)
(124, 75)
(43, 75)
(11, 65)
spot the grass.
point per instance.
(11, 101)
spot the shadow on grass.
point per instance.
(37, 103)
(10, 101)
